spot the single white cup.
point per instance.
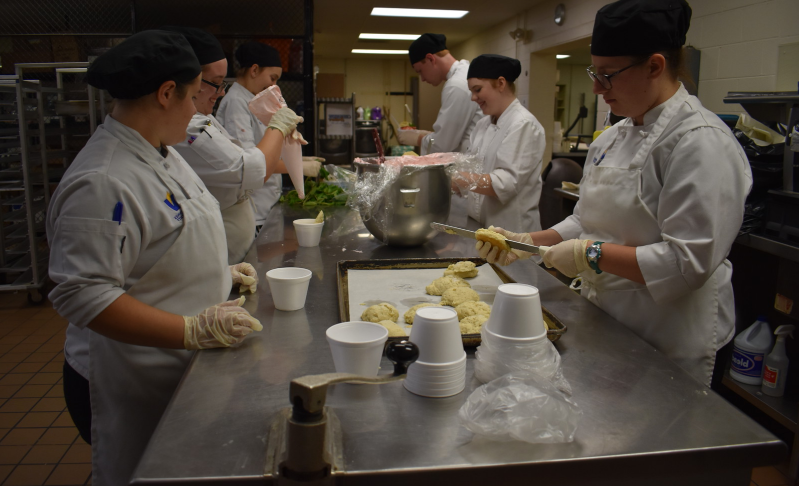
(517, 312)
(309, 232)
(289, 287)
(357, 346)
(437, 334)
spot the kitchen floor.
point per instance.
(39, 444)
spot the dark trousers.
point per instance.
(78, 398)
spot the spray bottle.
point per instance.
(776, 365)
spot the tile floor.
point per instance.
(39, 444)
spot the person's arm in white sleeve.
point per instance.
(518, 159)
(700, 210)
(454, 118)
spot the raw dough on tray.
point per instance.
(411, 313)
(380, 312)
(458, 295)
(472, 308)
(472, 324)
(440, 285)
(394, 329)
(461, 270)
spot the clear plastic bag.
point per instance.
(521, 406)
(497, 357)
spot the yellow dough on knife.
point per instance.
(492, 237)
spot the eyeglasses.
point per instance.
(218, 87)
(604, 79)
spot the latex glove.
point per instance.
(568, 257)
(492, 254)
(245, 275)
(219, 326)
(297, 136)
(310, 168)
(286, 121)
(412, 137)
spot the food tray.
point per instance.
(555, 328)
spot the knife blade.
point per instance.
(453, 230)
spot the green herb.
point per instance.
(316, 194)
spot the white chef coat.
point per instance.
(458, 114)
(512, 151)
(681, 206)
(230, 172)
(234, 114)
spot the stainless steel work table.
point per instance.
(645, 422)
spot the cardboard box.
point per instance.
(329, 85)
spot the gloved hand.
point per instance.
(492, 254)
(568, 257)
(310, 168)
(412, 137)
(219, 326)
(297, 136)
(245, 275)
(286, 121)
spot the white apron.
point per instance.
(239, 230)
(612, 211)
(132, 385)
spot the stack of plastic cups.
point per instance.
(516, 317)
(440, 370)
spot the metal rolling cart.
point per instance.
(36, 131)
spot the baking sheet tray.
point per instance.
(402, 282)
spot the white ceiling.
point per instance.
(337, 23)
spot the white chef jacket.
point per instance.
(93, 259)
(229, 171)
(234, 114)
(458, 114)
(512, 151)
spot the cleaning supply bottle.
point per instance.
(748, 352)
(776, 365)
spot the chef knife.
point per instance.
(538, 250)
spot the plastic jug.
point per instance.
(749, 350)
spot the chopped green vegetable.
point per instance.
(316, 194)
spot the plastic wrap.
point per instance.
(521, 406)
(263, 106)
(497, 357)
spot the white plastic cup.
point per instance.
(437, 334)
(289, 287)
(357, 346)
(517, 312)
(309, 232)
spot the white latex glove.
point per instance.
(412, 137)
(219, 326)
(492, 254)
(297, 136)
(310, 168)
(568, 257)
(286, 121)
(245, 275)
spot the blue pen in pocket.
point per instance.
(118, 212)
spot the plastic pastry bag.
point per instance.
(263, 106)
(521, 406)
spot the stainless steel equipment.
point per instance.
(443, 228)
(364, 143)
(402, 217)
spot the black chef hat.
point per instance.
(426, 44)
(258, 53)
(640, 27)
(206, 46)
(142, 63)
(492, 66)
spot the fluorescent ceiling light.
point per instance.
(390, 36)
(561, 56)
(418, 12)
(379, 51)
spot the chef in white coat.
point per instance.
(458, 115)
(511, 143)
(127, 226)
(228, 170)
(259, 68)
(662, 195)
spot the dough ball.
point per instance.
(411, 313)
(439, 285)
(380, 312)
(394, 329)
(472, 324)
(472, 308)
(492, 237)
(461, 270)
(458, 295)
